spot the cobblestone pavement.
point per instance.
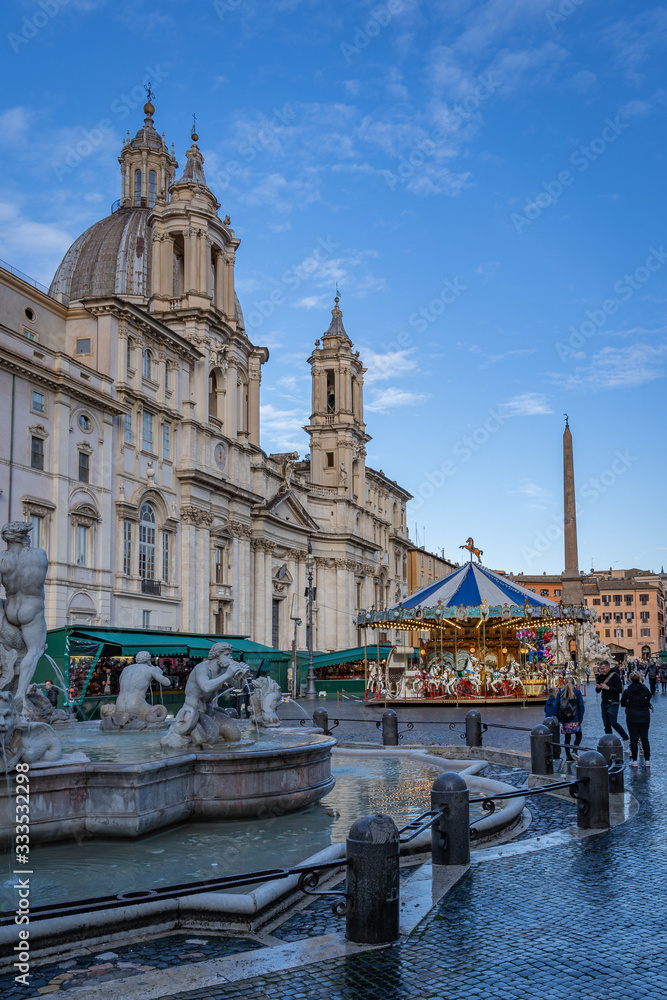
(578, 922)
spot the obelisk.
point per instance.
(573, 589)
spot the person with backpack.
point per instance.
(570, 713)
(636, 699)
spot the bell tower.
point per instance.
(336, 429)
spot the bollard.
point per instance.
(372, 884)
(473, 728)
(390, 728)
(593, 792)
(611, 749)
(450, 833)
(552, 724)
(541, 751)
(321, 720)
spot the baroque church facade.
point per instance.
(130, 395)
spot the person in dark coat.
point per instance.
(636, 700)
(551, 707)
(610, 686)
(663, 678)
(52, 693)
(652, 675)
(570, 713)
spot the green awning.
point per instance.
(176, 644)
(350, 655)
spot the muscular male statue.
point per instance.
(22, 623)
(198, 721)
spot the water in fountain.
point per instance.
(290, 701)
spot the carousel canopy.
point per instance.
(471, 585)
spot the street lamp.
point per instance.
(311, 690)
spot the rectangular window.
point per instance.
(606, 616)
(36, 453)
(629, 633)
(607, 633)
(629, 616)
(38, 403)
(643, 598)
(330, 460)
(29, 334)
(618, 633)
(275, 624)
(606, 599)
(128, 427)
(166, 542)
(618, 616)
(145, 619)
(127, 548)
(617, 598)
(128, 354)
(628, 598)
(644, 615)
(83, 345)
(147, 431)
(646, 633)
(556, 593)
(36, 533)
(166, 442)
(596, 602)
(82, 545)
(219, 564)
(84, 467)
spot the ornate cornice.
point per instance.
(197, 516)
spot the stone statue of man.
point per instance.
(22, 622)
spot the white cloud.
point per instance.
(537, 496)
(283, 428)
(386, 366)
(527, 404)
(22, 239)
(392, 397)
(617, 368)
(313, 302)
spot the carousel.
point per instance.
(482, 639)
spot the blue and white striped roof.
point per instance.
(471, 585)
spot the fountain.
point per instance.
(206, 767)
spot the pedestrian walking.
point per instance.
(610, 686)
(663, 678)
(652, 675)
(51, 693)
(570, 713)
(636, 700)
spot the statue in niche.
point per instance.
(131, 710)
(22, 622)
(264, 700)
(23, 742)
(199, 722)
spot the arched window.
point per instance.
(152, 187)
(149, 367)
(212, 395)
(137, 187)
(147, 542)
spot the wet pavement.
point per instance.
(580, 921)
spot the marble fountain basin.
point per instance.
(132, 786)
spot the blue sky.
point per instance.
(485, 181)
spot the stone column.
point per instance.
(219, 282)
(229, 285)
(190, 262)
(257, 623)
(231, 426)
(156, 266)
(253, 407)
(167, 280)
(204, 268)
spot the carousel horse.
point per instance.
(496, 682)
(470, 546)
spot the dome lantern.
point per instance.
(147, 167)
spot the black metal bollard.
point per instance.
(611, 749)
(593, 792)
(473, 728)
(373, 882)
(541, 751)
(321, 720)
(450, 833)
(552, 723)
(390, 728)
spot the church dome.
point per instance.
(110, 258)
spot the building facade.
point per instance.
(630, 605)
(131, 398)
(426, 567)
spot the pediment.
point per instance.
(287, 507)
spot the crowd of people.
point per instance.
(630, 686)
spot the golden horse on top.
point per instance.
(470, 546)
